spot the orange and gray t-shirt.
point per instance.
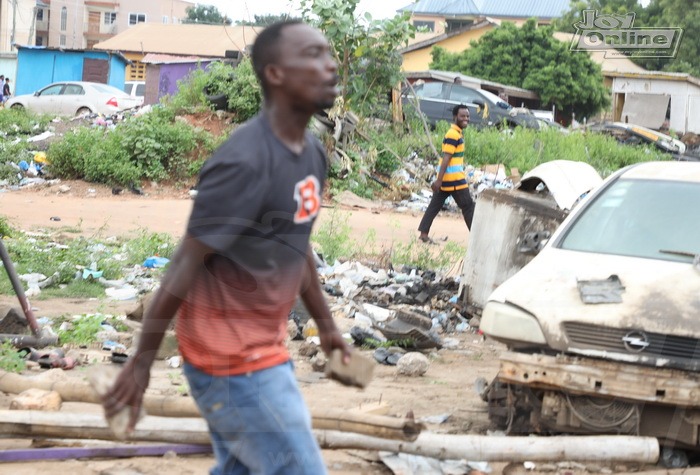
(255, 206)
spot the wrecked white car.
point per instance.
(603, 325)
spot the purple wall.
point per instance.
(170, 74)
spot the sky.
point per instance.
(246, 9)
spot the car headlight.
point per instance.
(508, 322)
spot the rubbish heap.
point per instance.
(395, 311)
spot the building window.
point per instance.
(40, 14)
(110, 18)
(64, 18)
(453, 25)
(62, 40)
(135, 18)
(39, 41)
(424, 25)
(136, 71)
(165, 19)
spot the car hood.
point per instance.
(659, 296)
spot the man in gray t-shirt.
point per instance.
(244, 259)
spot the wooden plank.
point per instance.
(441, 446)
(506, 449)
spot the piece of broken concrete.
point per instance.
(413, 364)
(102, 379)
(34, 399)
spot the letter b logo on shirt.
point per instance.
(307, 194)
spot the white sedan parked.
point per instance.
(72, 98)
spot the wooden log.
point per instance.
(440, 446)
(376, 426)
(75, 391)
(94, 426)
(505, 449)
(368, 424)
(179, 406)
(72, 453)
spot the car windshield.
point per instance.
(105, 89)
(497, 100)
(641, 218)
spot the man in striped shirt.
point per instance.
(451, 179)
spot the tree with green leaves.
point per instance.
(206, 15)
(683, 14)
(266, 20)
(604, 7)
(366, 50)
(531, 58)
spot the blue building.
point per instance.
(38, 66)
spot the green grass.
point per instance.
(10, 360)
(82, 331)
(46, 256)
(75, 289)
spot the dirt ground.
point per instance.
(447, 387)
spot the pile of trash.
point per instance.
(395, 311)
(417, 172)
(33, 167)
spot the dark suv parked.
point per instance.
(436, 100)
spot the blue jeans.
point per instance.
(259, 423)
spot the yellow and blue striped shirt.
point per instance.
(453, 144)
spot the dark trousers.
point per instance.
(461, 197)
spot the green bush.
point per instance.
(111, 163)
(190, 96)
(239, 84)
(244, 92)
(14, 122)
(10, 359)
(82, 331)
(425, 257)
(526, 148)
(333, 237)
(5, 228)
(12, 152)
(146, 244)
(68, 156)
(9, 173)
(154, 146)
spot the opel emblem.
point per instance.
(636, 341)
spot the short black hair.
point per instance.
(265, 48)
(456, 109)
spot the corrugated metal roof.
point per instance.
(498, 8)
(158, 58)
(443, 7)
(118, 54)
(664, 75)
(437, 39)
(470, 81)
(525, 8)
(195, 40)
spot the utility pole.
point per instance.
(14, 23)
(32, 38)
